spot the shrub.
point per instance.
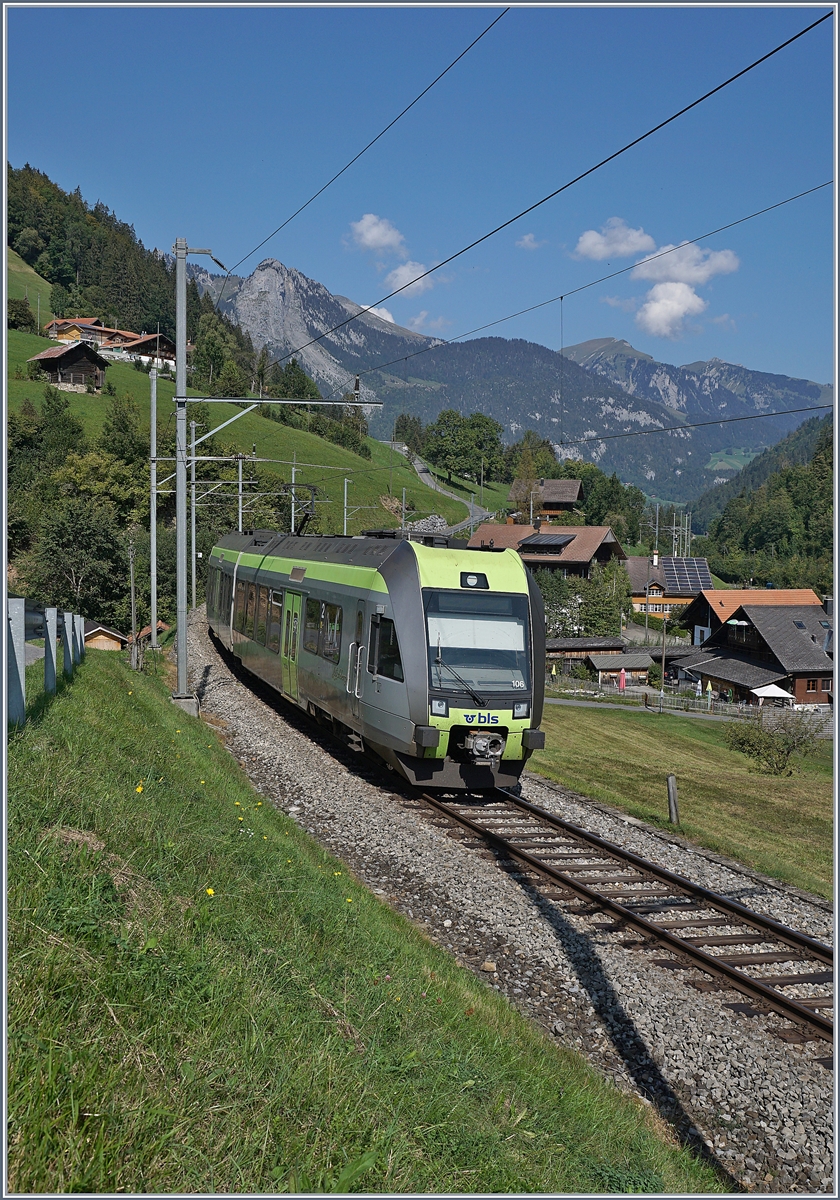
(772, 742)
(20, 316)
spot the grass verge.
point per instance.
(320, 462)
(203, 1000)
(782, 827)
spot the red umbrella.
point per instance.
(622, 680)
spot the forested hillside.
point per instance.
(782, 533)
(797, 448)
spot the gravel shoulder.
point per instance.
(759, 1106)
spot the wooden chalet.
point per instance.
(552, 497)
(77, 363)
(154, 347)
(610, 666)
(789, 645)
(712, 607)
(567, 652)
(571, 549)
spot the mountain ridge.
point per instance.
(586, 401)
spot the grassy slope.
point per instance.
(273, 1034)
(782, 827)
(370, 477)
(495, 494)
(23, 281)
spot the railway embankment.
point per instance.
(205, 997)
(756, 1106)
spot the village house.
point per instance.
(705, 615)
(553, 497)
(786, 645)
(76, 365)
(659, 585)
(571, 549)
(155, 349)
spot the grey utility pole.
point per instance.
(346, 481)
(153, 506)
(192, 506)
(182, 697)
(239, 493)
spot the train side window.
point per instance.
(262, 616)
(275, 621)
(239, 610)
(250, 612)
(226, 597)
(331, 631)
(286, 634)
(312, 626)
(384, 656)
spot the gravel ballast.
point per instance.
(760, 1106)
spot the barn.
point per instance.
(78, 363)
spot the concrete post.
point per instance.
(67, 643)
(16, 662)
(153, 508)
(294, 472)
(346, 481)
(78, 638)
(181, 458)
(673, 807)
(192, 506)
(239, 494)
(51, 623)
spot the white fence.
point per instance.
(27, 621)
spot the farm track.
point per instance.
(759, 1106)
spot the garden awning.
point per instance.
(772, 691)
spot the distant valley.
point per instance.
(581, 401)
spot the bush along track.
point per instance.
(203, 999)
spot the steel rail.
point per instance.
(777, 1001)
(783, 933)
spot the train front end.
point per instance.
(474, 635)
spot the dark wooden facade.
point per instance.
(79, 364)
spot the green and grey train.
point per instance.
(426, 653)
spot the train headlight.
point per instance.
(522, 709)
(440, 708)
(474, 579)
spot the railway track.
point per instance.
(777, 968)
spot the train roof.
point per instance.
(369, 550)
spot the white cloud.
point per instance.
(421, 322)
(406, 273)
(377, 233)
(383, 313)
(529, 242)
(686, 263)
(666, 307)
(616, 240)
(628, 305)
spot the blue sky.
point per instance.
(216, 123)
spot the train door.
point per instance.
(291, 636)
(355, 664)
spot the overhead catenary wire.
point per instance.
(593, 283)
(356, 157)
(564, 187)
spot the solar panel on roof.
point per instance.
(686, 574)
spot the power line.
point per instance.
(593, 283)
(347, 166)
(565, 186)
(608, 437)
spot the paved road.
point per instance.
(477, 513)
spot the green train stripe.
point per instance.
(358, 577)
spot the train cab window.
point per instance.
(384, 652)
(275, 621)
(312, 626)
(262, 616)
(239, 610)
(331, 631)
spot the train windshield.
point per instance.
(477, 642)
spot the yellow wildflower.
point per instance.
(201, 781)
(349, 899)
(265, 839)
(241, 818)
(236, 804)
(139, 787)
(210, 892)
